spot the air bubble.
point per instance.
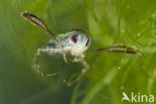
(119, 68)
(138, 34)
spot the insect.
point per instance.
(74, 43)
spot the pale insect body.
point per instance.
(75, 43)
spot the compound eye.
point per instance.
(88, 42)
(74, 38)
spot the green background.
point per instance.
(108, 22)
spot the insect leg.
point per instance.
(117, 48)
(83, 72)
(37, 59)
